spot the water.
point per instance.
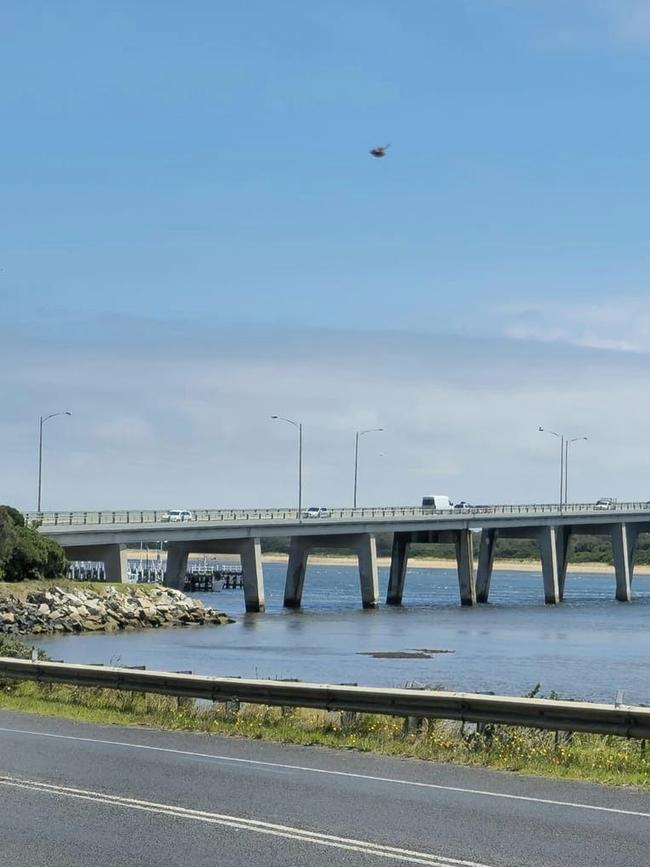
(588, 647)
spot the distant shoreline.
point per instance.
(414, 562)
(439, 563)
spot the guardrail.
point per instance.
(70, 519)
(626, 721)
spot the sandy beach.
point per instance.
(439, 563)
(414, 562)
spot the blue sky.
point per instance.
(192, 181)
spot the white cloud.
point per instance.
(191, 427)
(621, 325)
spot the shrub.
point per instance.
(34, 557)
(24, 553)
(17, 649)
(14, 515)
(7, 538)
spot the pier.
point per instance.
(206, 579)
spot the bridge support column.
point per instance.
(364, 546)
(176, 569)
(398, 564)
(485, 564)
(368, 575)
(624, 538)
(114, 558)
(116, 564)
(251, 564)
(296, 568)
(562, 539)
(547, 538)
(465, 562)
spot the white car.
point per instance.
(317, 512)
(606, 503)
(176, 515)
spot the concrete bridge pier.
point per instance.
(553, 545)
(296, 568)
(485, 564)
(465, 562)
(251, 563)
(176, 568)
(363, 544)
(624, 539)
(548, 552)
(368, 575)
(398, 563)
(114, 558)
(563, 538)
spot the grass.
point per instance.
(20, 589)
(594, 758)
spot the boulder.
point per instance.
(57, 610)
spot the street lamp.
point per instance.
(357, 437)
(567, 443)
(42, 421)
(564, 461)
(298, 426)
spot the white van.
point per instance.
(437, 503)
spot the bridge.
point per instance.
(104, 537)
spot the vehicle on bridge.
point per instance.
(463, 504)
(606, 503)
(176, 515)
(437, 503)
(317, 512)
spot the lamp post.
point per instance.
(42, 421)
(567, 443)
(561, 439)
(298, 426)
(357, 437)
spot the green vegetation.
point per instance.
(100, 587)
(12, 646)
(24, 553)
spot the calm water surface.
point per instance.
(588, 647)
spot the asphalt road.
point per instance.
(75, 794)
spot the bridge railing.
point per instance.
(160, 516)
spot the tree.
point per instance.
(7, 539)
(14, 515)
(24, 553)
(34, 557)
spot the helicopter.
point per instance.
(379, 151)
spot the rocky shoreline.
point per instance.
(56, 610)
